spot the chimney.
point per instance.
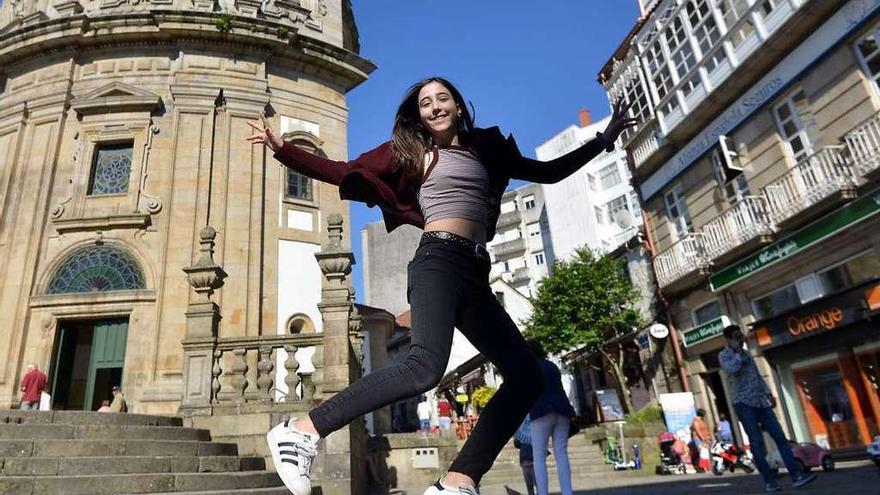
(584, 117)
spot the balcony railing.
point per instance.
(739, 224)
(521, 276)
(813, 179)
(863, 144)
(646, 143)
(682, 258)
(509, 218)
(509, 248)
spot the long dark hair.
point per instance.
(410, 141)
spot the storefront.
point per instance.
(702, 344)
(827, 356)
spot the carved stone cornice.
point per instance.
(116, 97)
(137, 221)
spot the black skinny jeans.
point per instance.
(448, 287)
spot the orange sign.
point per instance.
(827, 319)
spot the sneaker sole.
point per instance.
(276, 456)
(812, 478)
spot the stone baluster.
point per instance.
(317, 377)
(239, 370)
(308, 387)
(264, 374)
(292, 379)
(216, 370)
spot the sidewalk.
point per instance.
(851, 478)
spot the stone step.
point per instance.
(93, 448)
(64, 466)
(247, 491)
(137, 483)
(98, 432)
(250, 491)
(16, 416)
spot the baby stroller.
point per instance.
(671, 462)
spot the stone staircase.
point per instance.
(88, 453)
(588, 468)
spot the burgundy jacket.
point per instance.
(375, 179)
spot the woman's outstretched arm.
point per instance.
(559, 168)
(302, 161)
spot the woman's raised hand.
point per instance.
(619, 121)
(265, 134)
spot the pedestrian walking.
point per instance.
(118, 405)
(423, 411)
(33, 384)
(444, 411)
(700, 441)
(550, 416)
(440, 173)
(754, 405)
(522, 440)
(723, 433)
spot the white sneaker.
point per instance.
(438, 489)
(292, 453)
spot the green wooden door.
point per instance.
(108, 351)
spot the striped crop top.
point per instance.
(456, 186)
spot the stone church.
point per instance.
(129, 197)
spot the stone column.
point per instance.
(340, 464)
(202, 320)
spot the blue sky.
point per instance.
(528, 66)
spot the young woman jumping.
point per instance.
(442, 174)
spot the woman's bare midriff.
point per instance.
(459, 226)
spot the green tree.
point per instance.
(587, 301)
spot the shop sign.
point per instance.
(826, 315)
(705, 331)
(819, 230)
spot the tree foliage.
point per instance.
(585, 301)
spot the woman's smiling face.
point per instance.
(438, 111)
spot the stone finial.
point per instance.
(335, 262)
(204, 275)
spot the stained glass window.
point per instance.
(111, 169)
(97, 269)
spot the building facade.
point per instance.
(595, 206)
(123, 157)
(756, 159)
(518, 248)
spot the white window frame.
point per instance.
(680, 202)
(530, 199)
(863, 62)
(533, 232)
(540, 260)
(796, 118)
(610, 173)
(612, 208)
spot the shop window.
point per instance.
(707, 313)
(777, 302)
(111, 169)
(851, 272)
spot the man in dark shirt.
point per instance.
(33, 384)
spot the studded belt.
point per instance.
(473, 246)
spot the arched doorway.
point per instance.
(89, 355)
